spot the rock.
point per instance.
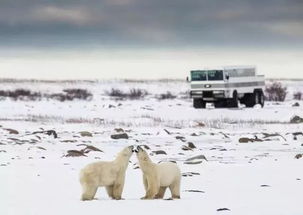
(111, 106)
(297, 133)
(89, 148)
(74, 153)
(200, 124)
(193, 162)
(145, 147)
(296, 119)
(39, 147)
(52, 132)
(166, 131)
(68, 141)
(266, 135)
(296, 104)
(186, 148)
(190, 174)
(264, 185)
(298, 156)
(247, 140)
(159, 152)
(191, 145)
(11, 131)
(172, 161)
(194, 191)
(119, 136)
(223, 209)
(119, 130)
(225, 135)
(86, 134)
(201, 157)
(48, 132)
(181, 138)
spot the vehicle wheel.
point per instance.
(199, 103)
(220, 104)
(250, 99)
(261, 98)
(234, 101)
(256, 97)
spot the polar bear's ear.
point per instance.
(131, 148)
(139, 148)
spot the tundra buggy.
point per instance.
(226, 86)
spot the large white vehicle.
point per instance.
(226, 86)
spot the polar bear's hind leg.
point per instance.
(89, 192)
(175, 189)
(161, 193)
(109, 190)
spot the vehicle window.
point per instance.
(198, 75)
(214, 75)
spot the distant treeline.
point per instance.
(28, 95)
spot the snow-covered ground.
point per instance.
(250, 169)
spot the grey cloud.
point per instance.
(151, 22)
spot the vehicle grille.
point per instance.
(207, 94)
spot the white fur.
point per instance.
(157, 177)
(110, 174)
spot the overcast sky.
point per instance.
(84, 39)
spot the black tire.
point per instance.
(233, 103)
(199, 103)
(251, 99)
(220, 104)
(261, 98)
(256, 97)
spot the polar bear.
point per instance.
(157, 177)
(110, 174)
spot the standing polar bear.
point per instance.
(110, 174)
(157, 177)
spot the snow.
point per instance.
(261, 177)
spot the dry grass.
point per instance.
(28, 95)
(147, 120)
(133, 93)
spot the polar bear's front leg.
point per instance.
(117, 191)
(145, 183)
(118, 187)
(152, 187)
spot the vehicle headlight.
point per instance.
(218, 92)
(196, 92)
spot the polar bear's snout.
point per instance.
(137, 149)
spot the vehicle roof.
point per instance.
(225, 68)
